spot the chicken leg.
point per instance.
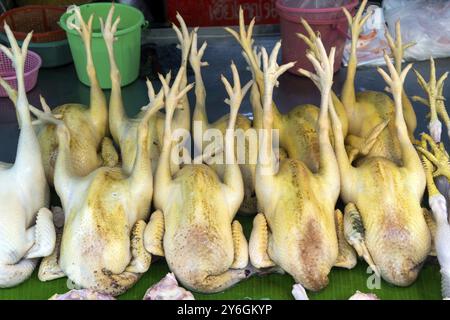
(439, 208)
(26, 228)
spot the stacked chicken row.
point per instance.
(359, 147)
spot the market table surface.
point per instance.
(60, 85)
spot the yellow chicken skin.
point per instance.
(193, 226)
(87, 125)
(200, 120)
(102, 245)
(383, 217)
(297, 227)
(124, 129)
(370, 113)
(297, 128)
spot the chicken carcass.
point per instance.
(102, 246)
(26, 225)
(297, 229)
(371, 127)
(203, 246)
(383, 218)
(88, 126)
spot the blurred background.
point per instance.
(161, 12)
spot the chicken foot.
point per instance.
(360, 147)
(346, 256)
(434, 89)
(397, 51)
(354, 234)
(438, 156)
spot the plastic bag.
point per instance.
(424, 22)
(371, 43)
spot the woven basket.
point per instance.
(21, 3)
(42, 20)
(31, 70)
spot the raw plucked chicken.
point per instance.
(297, 227)
(203, 246)
(88, 126)
(102, 245)
(26, 225)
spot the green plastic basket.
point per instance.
(127, 47)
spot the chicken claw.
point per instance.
(438, 156)
(435, 101)
(355, 234)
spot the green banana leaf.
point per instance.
(343, 283)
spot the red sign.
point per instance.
(222, 12)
